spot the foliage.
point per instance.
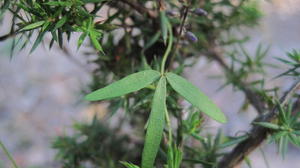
(286, 129)
(95, 143)
(293, 61)
(141, 49)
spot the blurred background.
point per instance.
(40, 93)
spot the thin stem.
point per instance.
(168, 50)
(8, 155)
(140, 8)
(185, 14)
(9, 35)
(169, 127)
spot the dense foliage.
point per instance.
(140, 49)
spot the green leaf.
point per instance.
(45, 25)
(129, 165)
(152, 41)
(268, 125)
(61, 22)
(233, 141)
(81, 39)
(197, 161)
(33, 25)
(174, 157)
(59, 3)
(93, 1)
(294, 140)
(193, 95)
(283, 145)
(38, 40)
(156, 124)
(164, 26)
(131, 83)
(94, 38)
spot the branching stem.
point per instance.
(169, 47)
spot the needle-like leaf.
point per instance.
(193, 95)
(131, 83)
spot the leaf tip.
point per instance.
(219, 116)
(223, 119)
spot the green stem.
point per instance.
(8, 155)
(169, 127)
(168, 50)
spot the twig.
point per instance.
(140, 8)
(7, 36)
(257, 135)
(184, 16)
(255, 100)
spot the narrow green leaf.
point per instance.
(233, 141)
(45, 25)
(38, 41)
(294, 140)
(152, 41)
(283, 145)
(131, 83)
(81, 39)
(193, 95)
(95, 41)
(61, 22)
(296, 133)
(268, 125)
(156, 124)
(60, 38)
(197, 161)
(164, 26)
(33, 25)
(129, 165)
(93, 1)
(58, 3)
(174, 157)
